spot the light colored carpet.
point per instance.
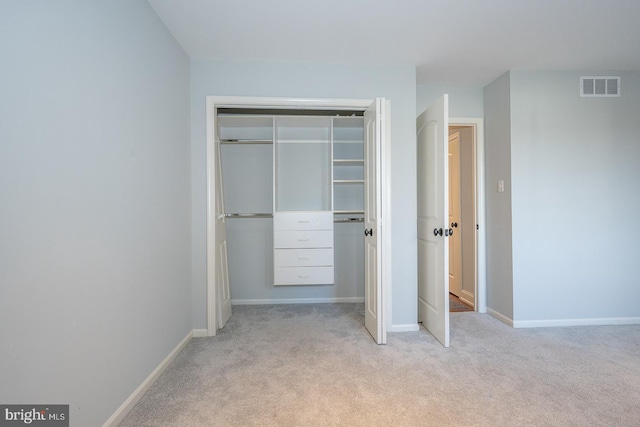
(316, 365)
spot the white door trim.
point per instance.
(481, 255)
(213, 102)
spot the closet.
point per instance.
(297, 176)
(289, 200)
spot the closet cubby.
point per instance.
(348, 165)
(246, 129)
(302, 164)
(246, 153)
(245, 149)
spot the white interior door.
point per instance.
(432, 129)
(375, 132)
(223, 291)
(455, 217)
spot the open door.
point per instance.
(432, 129)
(223, 297)
(374, 134)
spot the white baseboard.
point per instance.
(467, 298)
(200, 333)
(501, 317)
(131, 401)
(577, 322)
(548, 323)
(296, 301)
(411, 327)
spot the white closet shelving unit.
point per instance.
(348, 169)
(303, 174)
(303, 216)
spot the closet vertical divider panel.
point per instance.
(303, 215)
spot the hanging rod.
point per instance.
(246, 141)
(349, 212)
(348, 220)
(248, 215)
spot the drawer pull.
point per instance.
(303, 222)
(303, 257)
(303, 276)
(303, 240)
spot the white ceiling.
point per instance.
(449, 41)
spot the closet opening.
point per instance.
(471, 288)
(290, 200)
(462, 218)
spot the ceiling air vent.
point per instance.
(600, 86)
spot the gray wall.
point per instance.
(498, 205)
(246, 78)
(464, 101)
(562, 239)
(94, 220)
(576, 179)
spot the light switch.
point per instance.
(501, 186)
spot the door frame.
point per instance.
(214, 102)
(481, 256)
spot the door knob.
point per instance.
(454, 225)
(448, 232)
(437, 232)
(368, 232)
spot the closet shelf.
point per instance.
(348, 181)
(246, 141)
(303, 141)
(348, 141)
(348, 162)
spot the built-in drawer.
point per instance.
(302, 257)
(302, 239)
(303, 276)
(303, 220)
